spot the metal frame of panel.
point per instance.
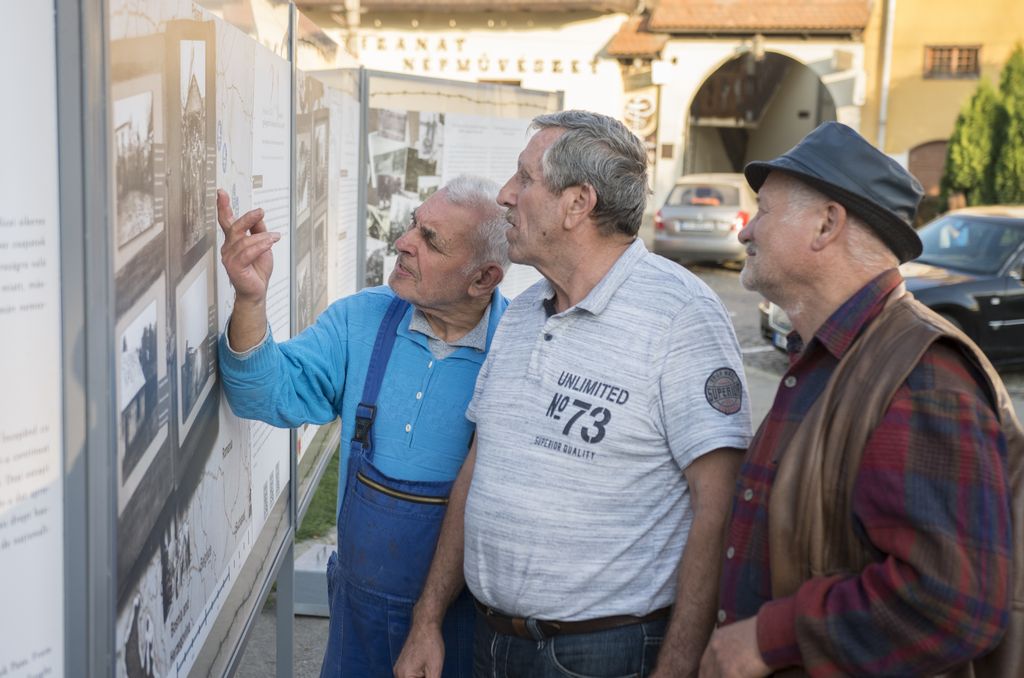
(70, 134)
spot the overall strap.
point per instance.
(366, 410)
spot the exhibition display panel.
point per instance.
(142, 523)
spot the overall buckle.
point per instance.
(365, 414)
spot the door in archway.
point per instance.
(753, 107)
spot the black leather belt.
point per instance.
(517, 626)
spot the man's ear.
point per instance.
(832, 221)
(582, 200)
(487, 277)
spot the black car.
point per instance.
(970, 272)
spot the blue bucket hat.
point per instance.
(842, 164)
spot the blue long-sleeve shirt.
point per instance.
(420, 432)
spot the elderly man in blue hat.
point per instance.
(871, 529)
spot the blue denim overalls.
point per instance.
(387, 531)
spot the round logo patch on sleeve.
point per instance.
(724, 390)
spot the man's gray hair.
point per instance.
(481, 194)
(599, 151)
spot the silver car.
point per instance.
(702, 216)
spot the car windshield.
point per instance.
(970, 243)
(706, 195)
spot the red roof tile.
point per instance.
(633, 41)
(759, 16)
(482, 5)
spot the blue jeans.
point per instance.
(624, 652)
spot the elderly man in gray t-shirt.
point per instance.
(611, 415)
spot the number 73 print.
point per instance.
(592, 429)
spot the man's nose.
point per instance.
(506, 195)
(404, 243)
(744, 234)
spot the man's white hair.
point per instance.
(481, 194)
(866, 248)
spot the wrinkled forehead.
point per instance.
(445, 217)
(539, 142)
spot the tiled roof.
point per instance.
(759, 16)
(633, 41)
(481, 6)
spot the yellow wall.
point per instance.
(923, 110)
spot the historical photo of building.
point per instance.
(138, 148)
(141, 371)
(193, 140)
(196, 342)
(133, 139)
(138, 387)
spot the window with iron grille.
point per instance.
(952, 61)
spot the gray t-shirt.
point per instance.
(585, 421)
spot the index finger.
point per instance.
(224, 214)
(251, 221)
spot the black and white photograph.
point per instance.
(175, 560)
(138, 387)
(400, 215)
(138, 144)
(193, 141)
(427, 185)
(390, 124)
(387, 172)
(430, 137)
(141, 370)
(196, 342)
(320, 157)
(139, 653)
(304, 171)
(133, 139)
(304, 294)
(318, 252)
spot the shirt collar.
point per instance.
(598, 298)
(849, 320)
(476, 338)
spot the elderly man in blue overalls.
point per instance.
(398, 363)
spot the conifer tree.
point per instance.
(969, 156)
(1009, 161)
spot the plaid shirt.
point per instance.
(931, 497)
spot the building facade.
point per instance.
(709, 85)
(938, 50)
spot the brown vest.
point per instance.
(810, 529)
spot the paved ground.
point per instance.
(764, 366)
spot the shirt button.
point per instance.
(747, 496)
(789, 381)
(548, 337)
(730, 552)
(721, 616)
(430, 364)
(408, 427)
(419, 394)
